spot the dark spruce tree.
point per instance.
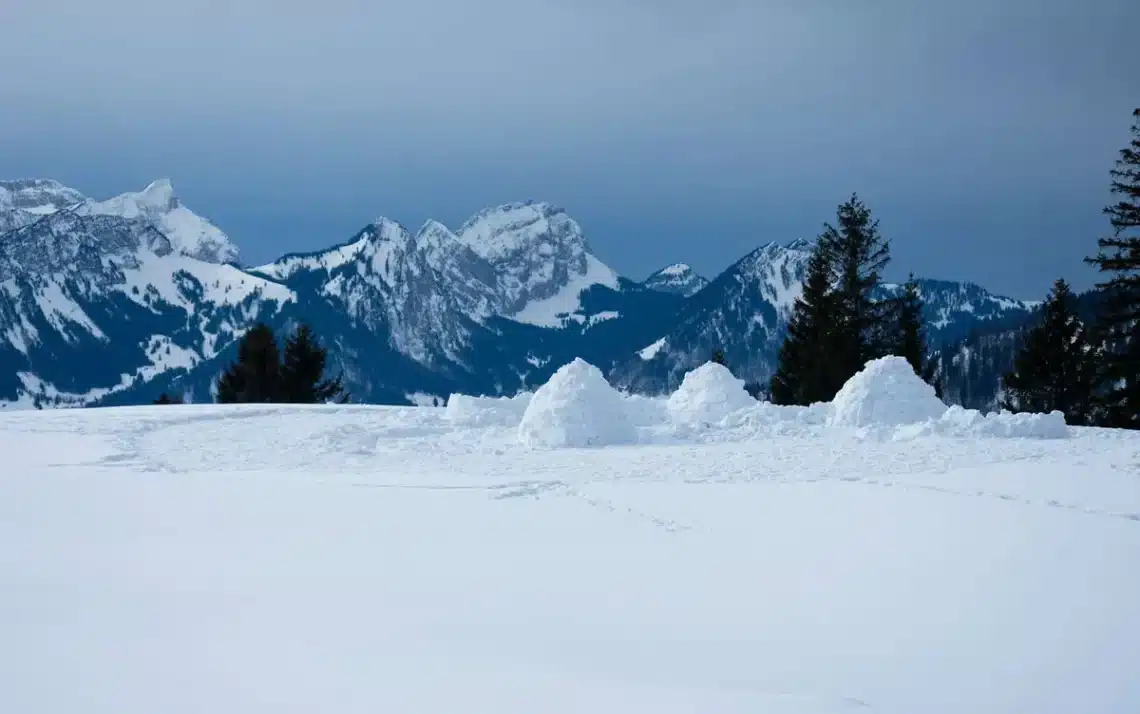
(909, 338)
(256, 375)
(806, 371)
(857, 253)
(1056, 366)
(718, 357)
(303, 370)
(1119, 257)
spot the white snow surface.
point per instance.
(577, 407)
(707, 395)
(887, 392)
(233, 559)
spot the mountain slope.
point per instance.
(744, 313)
(25, 201)
(158, 206)
(92, 304)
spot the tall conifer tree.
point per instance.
(857, 253)
(256, 375)
(1056, 367)
(806, 372)
(1119, 256)
(303, 369)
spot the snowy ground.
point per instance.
(355, 559)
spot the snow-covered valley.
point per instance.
(705, 554)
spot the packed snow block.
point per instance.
(487, 411)
(886, 392)
(576, 408)
(707, 395)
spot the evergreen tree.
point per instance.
(1055, 369)
(806, 372)
(857, 253)
(1119, 256)
(910, 337)
(256, 375)
(302, 370)
(718, 357)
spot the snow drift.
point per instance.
(487, 411)
(577, 407)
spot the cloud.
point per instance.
(434, 107)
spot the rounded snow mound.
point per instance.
(707, 395)
(886, 392)
(577, 407)
(487, 411)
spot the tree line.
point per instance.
(1089, 370)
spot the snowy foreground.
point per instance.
(705, 554)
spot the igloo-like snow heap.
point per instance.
(707, 395)
(887, 392)
(576, 407)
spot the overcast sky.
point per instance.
(980, 132)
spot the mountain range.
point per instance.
(116, 301)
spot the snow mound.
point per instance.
(707, 395)
(487, 411)
(957, 421)
(646, 411)
(576, 408)
(886, 392)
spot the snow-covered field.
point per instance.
(703, 554)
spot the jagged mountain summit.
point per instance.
(158, 206)
(113, 302)
(25, 201)
(678, 278)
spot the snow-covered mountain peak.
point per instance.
(678, 278)
(802, 244)
(159, 206)
(25, 201)
(502, 232)
(435, 234)
(37, 196)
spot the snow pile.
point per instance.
(960, 422)
(767, 419)
(577, 407)
(886, 392)
(646, 411)
(707, 395)
(487, 411)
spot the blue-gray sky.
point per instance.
(980, 132)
